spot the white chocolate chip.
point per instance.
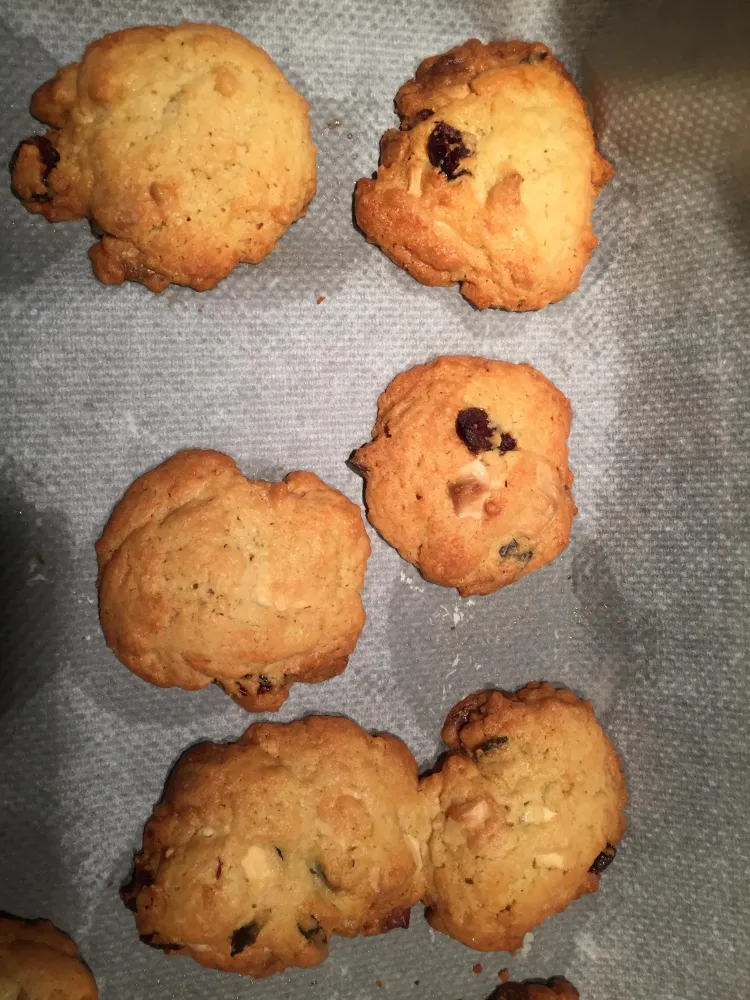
(208, 831)
(470, 489)
(550, 860)
(538, 814)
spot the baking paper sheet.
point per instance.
(646, 613)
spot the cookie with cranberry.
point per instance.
(186, 148)
(467, 471)
(527, 811)
(205, 575)
(554, 989)
(261, 850)
(491, 179)
(40, 962)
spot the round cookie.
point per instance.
(206, 576)
(260, 850)
(527, 811)
(40, 962)
(467, 473)
(554, 989)
(185, 146)
(492, 178)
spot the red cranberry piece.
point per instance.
(446, 149)
(475, 430)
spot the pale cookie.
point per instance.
(185, 146)
(260, 850)
(205, 575)
(492, 178)
(467, 473)
(527, 811)
(40, 962)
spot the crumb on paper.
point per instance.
(526, 946)
(503, 975)
(477, 968)
(379, 983)
(40, 558)
(333, 123)
(320, 298)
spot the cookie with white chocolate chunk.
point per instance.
(467, 471)
(262, 849)
(527, 812)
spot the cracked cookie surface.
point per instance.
(260, 850)
(205, 575)
(40, 962)
(185, 146)
(467, 473)
(492, 178)
(523, 808)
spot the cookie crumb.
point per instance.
(379, 983)
(333, 123)
(476, 969)
(320, 298)
(503, 975)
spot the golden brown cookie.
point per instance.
(40, 962)
(491, 179)
(185, 146)
(205, 575)
(467, 473)
(260, 850)
(527, 811)
(554, 989)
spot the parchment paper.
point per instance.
(646, 613)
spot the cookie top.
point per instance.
(467, 473)
(40, 962)
(552, 989)
(185, 146)
(526, 814)
(491, 179)
(260, 850)
(206, 575)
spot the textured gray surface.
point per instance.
(646, 613)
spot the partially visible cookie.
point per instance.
(260, 850)
(491, 179)
(527, 812)
(40, 962)
(467, 472)
(186, 147)
(205, 575)
(553, 988)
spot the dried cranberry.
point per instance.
(507, 443)
(492, 744)
(475, 430)
(420, 116)
(315, 933)
(396, 918)
(243, 937)
(604, 860)
(446, 149)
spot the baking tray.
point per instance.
(646, 612)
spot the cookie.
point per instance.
(185, 146)
(261, 850)
(467, 473)
(492, 178)
(527, 812)
(205, 575)
(40, 962)
(552, 989)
